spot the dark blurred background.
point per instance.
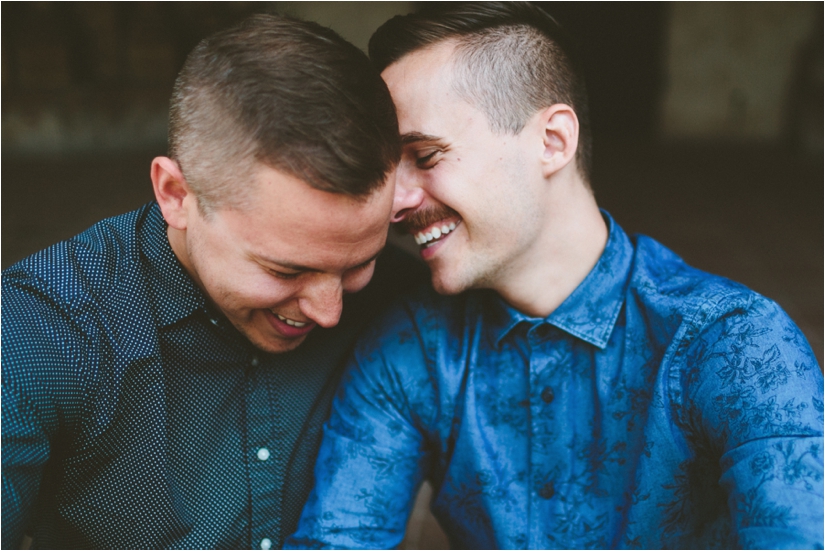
(707, 119)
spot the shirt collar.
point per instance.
(591, 310)
(175, 294)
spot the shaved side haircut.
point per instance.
(287, 93)
(512, 60)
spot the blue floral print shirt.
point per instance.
(657, 407)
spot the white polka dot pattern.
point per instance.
(135, 416)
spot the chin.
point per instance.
(444, 285)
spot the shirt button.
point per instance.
(547, 491)
(266, 543)
(263, 455)
(547, 395)
(254, 361)
(214, 321)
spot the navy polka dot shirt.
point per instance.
(136, 416)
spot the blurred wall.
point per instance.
(734, 69)
(83, 77)
(96, 77)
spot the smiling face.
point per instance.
(279, 267)
(473, 199)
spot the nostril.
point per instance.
(400, 215)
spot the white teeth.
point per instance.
(291, 322)
(435, 233)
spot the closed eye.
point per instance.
(363, 266)
(427, 161)
(285, 275)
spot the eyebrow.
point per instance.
(415, 137)
(300, 268)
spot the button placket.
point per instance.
(546, 374)
(263, 458)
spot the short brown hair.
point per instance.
(287, 93)
(512, 60)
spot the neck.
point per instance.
(177, 240)
(574, 237)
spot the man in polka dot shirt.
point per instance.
(166, 373)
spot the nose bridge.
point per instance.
(408, 193)
(322, 300)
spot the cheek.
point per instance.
(463, 184)
(257, 291)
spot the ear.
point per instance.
(171, 191)
(560, 137)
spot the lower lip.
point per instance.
(289, 331)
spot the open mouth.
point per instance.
(435, 233)
(289, 327)
(288, 321)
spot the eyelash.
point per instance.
(282, 275)
(422, 161)
(363, 266)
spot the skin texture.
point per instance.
(294, 251)
(528, 226)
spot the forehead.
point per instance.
(421, 85)
(430, 61)
(289, 219)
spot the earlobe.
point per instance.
(171, 191)
(560, 136)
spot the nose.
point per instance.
(322, 301)
(408, 196)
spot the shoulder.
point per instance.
(404, 361)
(667, 283)
(733, 353)
(679, 302)
(55, 306)
(698, 306)
(85, 268)
(416, 347)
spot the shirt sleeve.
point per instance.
(754, 391)
(40, 387)
(373, 454)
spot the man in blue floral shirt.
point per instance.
(577, 387)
